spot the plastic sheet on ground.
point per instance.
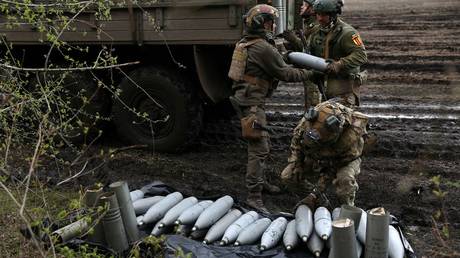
(198, 249)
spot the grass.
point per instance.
(40, 203)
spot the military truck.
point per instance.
(184, 51)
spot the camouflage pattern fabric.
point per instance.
(340, 161)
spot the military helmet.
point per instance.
(328, 6)
(326, 124)
(258, 15)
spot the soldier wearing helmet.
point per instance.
(337, 41)
(330, 139)
(256, 68)
(311, 92)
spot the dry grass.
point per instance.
(12, 243)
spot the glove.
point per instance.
(294, 41)
(285, 56)
(308, 74)
(335, 67)
(289, 35)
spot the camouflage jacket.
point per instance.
(347, 148)
(266, 64)
(344, 44)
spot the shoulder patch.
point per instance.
(357, 40)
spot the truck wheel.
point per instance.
(158, 110)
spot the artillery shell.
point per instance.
(315, 244)
(362, 227)
(190, 215)
(378, 220)
(136, 195)
(232, 232)
(335, 213)
(141, 206)
(273, 233)
(177, 210)
(158, 210)
(218, 229)
(253, 232)
(304, 222)
(128, 215)
(395, 245)
(213, 213)
(351, 212)
(290, 237)
(323, 223)
(343, 241)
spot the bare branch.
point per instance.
(75, 175)
(67, 69)
(44, 5)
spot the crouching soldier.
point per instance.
(328, 140)
(256, 68)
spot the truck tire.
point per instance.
(173, 94)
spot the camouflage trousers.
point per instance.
(342, 178)
(258, 151)
(311, 94)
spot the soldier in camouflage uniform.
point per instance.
(256, 68)
(311, 93)
(337, 41)
(329, 140)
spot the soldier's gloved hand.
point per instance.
(334, 67)
(285, 56)
(308, 74)
(289, 35)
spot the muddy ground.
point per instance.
(412, 97)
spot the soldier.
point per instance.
(311, 93)
(255, 69)
(335, 40)
(308, 22)
(330, 139)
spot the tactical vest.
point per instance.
(349, 145)
(237, 70)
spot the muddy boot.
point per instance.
(271, 189)
(255, 200)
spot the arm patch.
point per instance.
(357, 40)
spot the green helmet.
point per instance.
(328, 6)
(258, 15)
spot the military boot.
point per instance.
(271, 189)
(255, 200)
